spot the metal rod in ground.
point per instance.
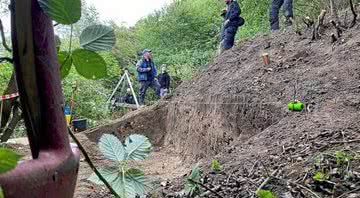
(91, 164)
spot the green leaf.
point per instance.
(8, 160)
(98, 38)
(215, 166)
(62, 11)
(128, 184)
(1, 193)
(138, 147)
(89, 64)
(112, 148)
(191, 186)
(65, 62)
(320, 176)
(110, 175)
(265, 194)
(136, 183)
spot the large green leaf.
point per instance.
(89, 64)
(110, 175)
(128, 184)
(138, 147)
(65, 62)
(98, 38)
(191, 186)
(112, 148)
(62, 11)
(8, 160)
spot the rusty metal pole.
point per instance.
(53, 171)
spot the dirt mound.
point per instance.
(236, 110)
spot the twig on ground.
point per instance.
(91, 164)
(320, 22)
(343, 195)
(345, 142)
(207, 188)
(333, 38)
(267, 180)
(300, 186)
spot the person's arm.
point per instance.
(141, 69)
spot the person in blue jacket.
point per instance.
(147, 75)
(232, 21)
(274, 13)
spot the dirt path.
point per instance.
(162, 165)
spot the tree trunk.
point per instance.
(53, 170)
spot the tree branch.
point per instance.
(354, 14)
(3, 37)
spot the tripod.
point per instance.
(122, 79)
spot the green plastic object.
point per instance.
(296, 106)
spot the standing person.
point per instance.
(232, 21)
(147, 75)
(164, 80)
(274, 13)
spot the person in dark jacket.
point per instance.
(164, 80)
(274, 13)
(147, 75)
(232, 21)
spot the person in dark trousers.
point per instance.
(147, 75)
(274, 13)
(164, 80)
(232, 21)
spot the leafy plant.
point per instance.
(62, 11)
(342, 158)
(265, 194)
(127, 181)
(321, 176)
(87, 61)
(192, 187)
(215, 166)
(8, 160)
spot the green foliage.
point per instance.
(65, 61)
(97, 38)
(215, 166)
(1, 193)
(265, 194)
(192, 187)
(126, 181)
(89, 64)
(8, 160)
(320, 176)
(62, 11)
(342, 158)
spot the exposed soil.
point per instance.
(236, 112)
